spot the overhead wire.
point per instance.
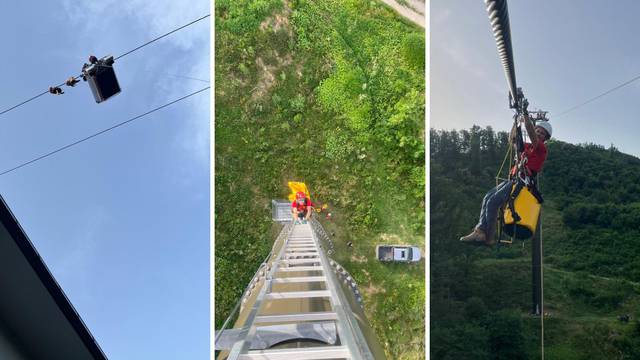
(598, 96)
(24, 102)
(57, 150)
(161, 36)
(498, 13)
(116, 58)
(188, 78)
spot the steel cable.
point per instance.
(119, 57)
(499, 19)
(99, 133)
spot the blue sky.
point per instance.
(565, 53)
(122, 221)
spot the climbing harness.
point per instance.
(522, 210)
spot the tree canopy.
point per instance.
(480, 298)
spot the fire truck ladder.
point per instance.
(296, 307)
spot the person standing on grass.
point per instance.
(301, 207)
(535, 154)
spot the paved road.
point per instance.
(414, 12)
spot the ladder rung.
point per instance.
(301, 268)
(300, 261)
(292, 255)
(301, 279)
(305, 249)
(312, 316)
(268, 335)
(311, 353)
(298, 294)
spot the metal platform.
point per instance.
(281, 210)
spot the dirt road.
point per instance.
(413, 10)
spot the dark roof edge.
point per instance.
(54, 289)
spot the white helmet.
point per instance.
(546, 126)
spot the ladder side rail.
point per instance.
(348, 329)
(249, 330)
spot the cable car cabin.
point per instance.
(528, 209)
(101, 77)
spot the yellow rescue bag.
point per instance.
(528, 208)
(295, 187)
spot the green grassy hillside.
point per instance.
(481, 297)
(331, 93)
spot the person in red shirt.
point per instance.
(301, 207)
(535, 154)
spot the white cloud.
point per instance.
(465, 61)
(440, 16)
(154, 17)
(151, 19)
(83, 250)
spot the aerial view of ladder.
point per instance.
(300, 305)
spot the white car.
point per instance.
(399, 253)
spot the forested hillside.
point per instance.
(481, 297)
(329, 92)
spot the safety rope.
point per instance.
(508, 154)
(500, 223)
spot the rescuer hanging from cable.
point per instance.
(55, 90)
(529, 164)
(71, 81)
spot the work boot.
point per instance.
(489, 240)
(477, 236)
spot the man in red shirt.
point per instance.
(301, 207)
(535, 154)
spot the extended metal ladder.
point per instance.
(296, 307)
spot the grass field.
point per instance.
(330, 93)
